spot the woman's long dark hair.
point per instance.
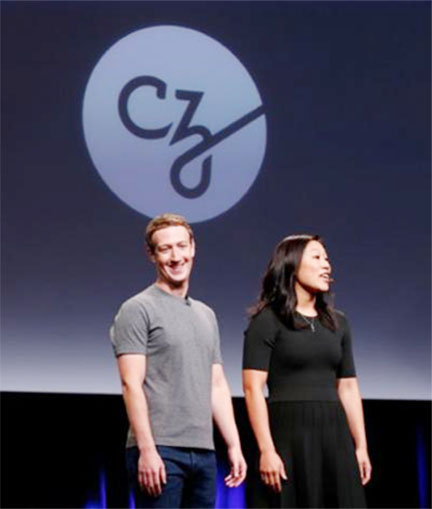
(278, 291)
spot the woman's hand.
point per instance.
(364, 464)
(272, 470)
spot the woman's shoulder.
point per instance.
(339, 314)
(263, 328)
(264, 314)
(264, 317)
(341, 318)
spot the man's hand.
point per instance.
(272, 470)
(238, 468)
(151, 472)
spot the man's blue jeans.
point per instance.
(191, 478)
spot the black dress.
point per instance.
(308, 423)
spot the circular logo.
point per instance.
(174, 123)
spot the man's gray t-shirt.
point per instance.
(180, 339)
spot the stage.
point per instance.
(63, 450)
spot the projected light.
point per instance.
(225, 497)
(99, 501)
(173, 121)
(422, 470)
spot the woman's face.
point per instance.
(313, 273)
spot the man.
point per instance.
(167, 348)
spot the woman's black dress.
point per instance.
(308, 423)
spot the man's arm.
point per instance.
(151, 469)
(223, 414)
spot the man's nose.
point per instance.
(175, 254)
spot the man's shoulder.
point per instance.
(202, 307)
(140, 300)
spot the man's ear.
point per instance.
(193, 248)
(150, 254)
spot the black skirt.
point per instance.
(314, 442)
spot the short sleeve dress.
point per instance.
(308, 423)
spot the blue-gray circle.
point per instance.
(174, 122)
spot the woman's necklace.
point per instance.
(309, 321)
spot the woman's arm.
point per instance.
(272, 469)
(349, 394)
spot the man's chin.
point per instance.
(176, 282)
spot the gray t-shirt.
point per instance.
(180, 339)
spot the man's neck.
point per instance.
(178, 291)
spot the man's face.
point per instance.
(173, 255)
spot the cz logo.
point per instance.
(173, 122)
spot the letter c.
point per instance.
(131, 86)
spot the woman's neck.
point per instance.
(306, 301)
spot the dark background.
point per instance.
(68, 451)
(346, 89)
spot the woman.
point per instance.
(301, 347)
